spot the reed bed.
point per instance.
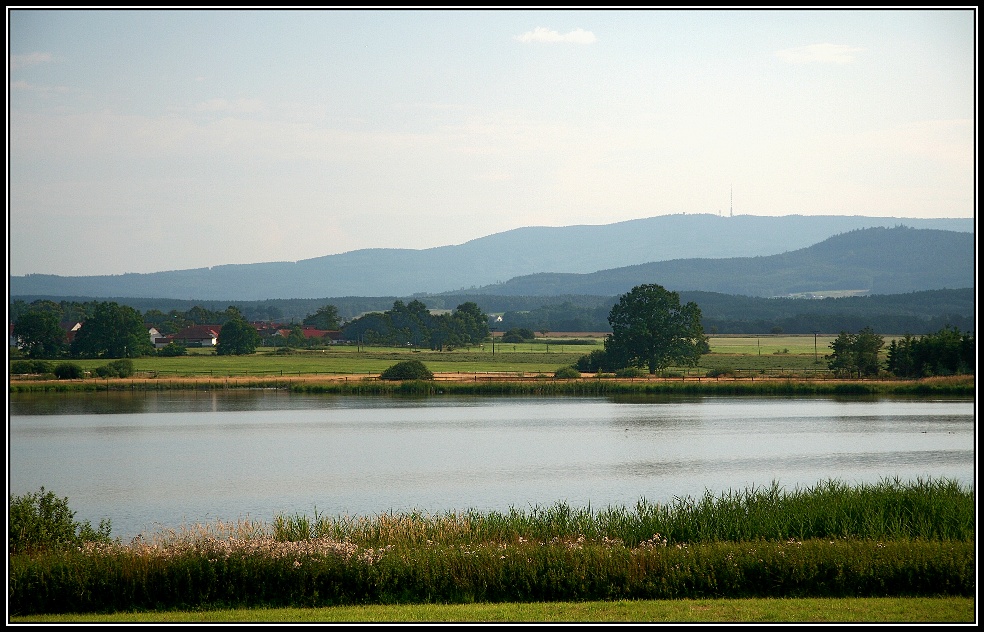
(926, 509)
(830, 540)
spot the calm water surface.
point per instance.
(148, 460)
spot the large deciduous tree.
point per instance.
(39, 334)
(113, 331)
(651, 328)
(237, 337)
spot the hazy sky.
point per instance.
(142, 141)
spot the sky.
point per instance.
(154, 140)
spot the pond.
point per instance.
(163, 459)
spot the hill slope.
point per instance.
(492, 259)
(875, 260)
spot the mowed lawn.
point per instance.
(865, 610)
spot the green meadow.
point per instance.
(544, 356)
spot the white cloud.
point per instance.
(541, 34)
(819, 53)
(29, 59)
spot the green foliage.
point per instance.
(412, 325)
(325, 318)
(407, 370)
(237, 337)
(31, 367)
(517, 335)
(41, 521)
(651, 328)
(889, 539)
(630, 371)
(946, 352)
(720, 372)
(856, 353)
(116, 368)
(39, 334)
(172, 350)
(567, 373)
(597, 360)
(68, 371)
(113, 331)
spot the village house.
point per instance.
(197, 336)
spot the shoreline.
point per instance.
(510, 383)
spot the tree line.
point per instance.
(946, 352)
(413, 325)
(915, 312)
(650, 328)
(111, 330)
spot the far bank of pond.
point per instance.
(488, 383)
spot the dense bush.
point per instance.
(567, 372)
(593, 362)
(116, 368)
(518, 334)
(720, 372)
(407, 370)
(68, 371)
(172, 350)
(631, 371)
(31, 367)
(41, 521)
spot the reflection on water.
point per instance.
(160, 458)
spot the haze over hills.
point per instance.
(870, 260)
(495, 259)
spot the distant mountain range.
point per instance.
(740, 255)
(867, 261)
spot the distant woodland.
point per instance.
(915, 312)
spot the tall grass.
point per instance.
(831, 540)
(930, 509)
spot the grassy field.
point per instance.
(833, 610)
(545, 356)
